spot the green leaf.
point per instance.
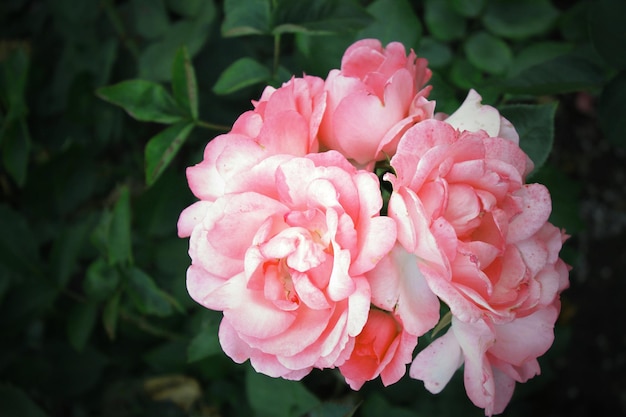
(242, 73)
(246, 17)
(573, 22)
(162, 148)
(563, 74)
(101, 280)
(187, 8)
(376, 405)
(151, 20)
(606, 28)
(18, 248)
(318, 55)
(80, 323)
(519, 19)
(17, 404)
(110, 315)
(112, 235)
(488, 53)
(537, 53)
(66, 249)
(465, 75)
(144, 100)
(612, 108)
(147, 297)
(406, 27)
(155, 61)
(277, 397)
(168, 357)
(442, 22)
(437, 53)
(204, 344)
(184, 83)
(444, 93)
(566, 197)
(535, 126)
(16, 143)
(467, 8)
(160, 206)
(318, 16)
(332, 409)
(120, 241)
(13, 79)
(100, 235)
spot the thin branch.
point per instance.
(212, 126)
(148, 327)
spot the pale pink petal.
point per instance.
(377, 240)
(361, 120)
(310, 294)
(473, 116)
(361, 57)
(191, 217)
(436, 364)
(237, 219)
(305, 329)
(525, 338)
(358, 306)
(249, 312)
(398, 285)
(505, 386)
(475, 339)
(536, 209)
(285, 132)
(201, 283)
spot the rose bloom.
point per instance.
(284, 121)
(382, 348)
(480, 233)
(283, 254)
(375, 96)
(483, 244)
(495, 356)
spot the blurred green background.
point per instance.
(94, 315)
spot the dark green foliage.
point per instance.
(104, 103)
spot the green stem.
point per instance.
(212, 126)
(144, 325)
(276, 56)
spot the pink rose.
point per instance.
(373, 99)
(382, 348)
(481, 234)
(495, 356)
(284, 121)
(283, 254)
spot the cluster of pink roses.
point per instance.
(288, 239)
